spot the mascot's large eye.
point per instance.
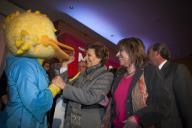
(23, 48)
(22, 43)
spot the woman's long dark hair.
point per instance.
(136, 50)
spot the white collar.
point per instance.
(63, 69)
(161, 65)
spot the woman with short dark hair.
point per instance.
(86, 93)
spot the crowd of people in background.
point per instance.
(145, 91)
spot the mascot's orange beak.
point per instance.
(62, 52)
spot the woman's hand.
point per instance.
(58, 81)
(132, 122)
(133, 119)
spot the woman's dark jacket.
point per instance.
(157, 100)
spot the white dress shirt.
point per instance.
(161, 65)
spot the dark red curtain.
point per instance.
(78, 45)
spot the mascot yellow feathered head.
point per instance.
(32, 34)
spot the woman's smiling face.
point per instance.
(91, 58)
(124, 58)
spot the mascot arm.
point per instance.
(54, 89)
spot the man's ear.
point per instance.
(157, 53)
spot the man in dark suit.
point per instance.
(179, 84)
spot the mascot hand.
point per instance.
(58, 81)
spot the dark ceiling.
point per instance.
(168, 21)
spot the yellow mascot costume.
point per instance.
(30, 36)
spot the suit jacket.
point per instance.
(157, 100)
(179, 84)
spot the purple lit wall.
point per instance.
(152, 21)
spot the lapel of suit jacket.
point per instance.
(165, 69)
